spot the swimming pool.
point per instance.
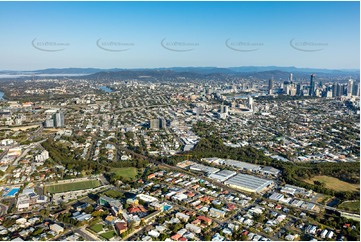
(167, 207)
(12, 192)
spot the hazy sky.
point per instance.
(167, 34)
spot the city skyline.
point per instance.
(169, 34)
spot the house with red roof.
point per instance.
(205, 219)
(176, 237)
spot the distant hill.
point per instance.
(180, 74)
(258, 72)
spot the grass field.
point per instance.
(97, 228)
(353, 206)
(334, 183)
(128, 173)
(57, 188)
(108, 235)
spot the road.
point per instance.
(5, 151)
(86, 234)
(37, 132)
(26, 151)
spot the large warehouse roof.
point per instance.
(207, 169)
(248, 183)
(241, 165)
(222, 175)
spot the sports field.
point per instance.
(72, 186)
(97, 228)
(353, 206)
(108, 235)
(334, 183)
(128, 173)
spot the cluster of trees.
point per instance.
(63, 155)
(8, 222)
(114, 194)
(138, 163)
(295, 174)
(66, 218)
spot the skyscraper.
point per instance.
(298, 89)
(312, 86)
(162, 123)
(154, 124)
(49, 123)
(250, 102)
(291, 77)
(343, 90)
(349, 87)
(334, 89)
(286, 87)
(199, 110)
(58, 119)
(270, 86)
(356, 89)
(225, 109)
(157, 123)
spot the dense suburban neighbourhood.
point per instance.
(179, 158)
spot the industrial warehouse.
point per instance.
(249, 183)
(222, 175)
(233, 179)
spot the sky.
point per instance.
(39, 35)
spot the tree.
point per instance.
(131, 224)
(207, 237)
(142, 222)
(37, 231)
(89, 209)
(244, 237)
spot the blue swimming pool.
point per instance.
(12, 192)
(167, 207)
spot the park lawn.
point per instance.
(128, 173)
(97, 228)
(108, 235)
(334, 183)
(353, 206)
(57, 188)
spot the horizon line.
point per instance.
(218, 67)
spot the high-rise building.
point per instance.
(293, 91)
(338, 90)
(298, 89)
(225, 109)
(312, 86)
(162, 123)
(157, 123)
(286, 87)
(49, 123)
(58, 118)
(344, 90)
(291, 77)
(250, 102)
(270, 86)
(349, 87)
(334, 89)
(199, 110)
(356, 89)
(154, 124)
